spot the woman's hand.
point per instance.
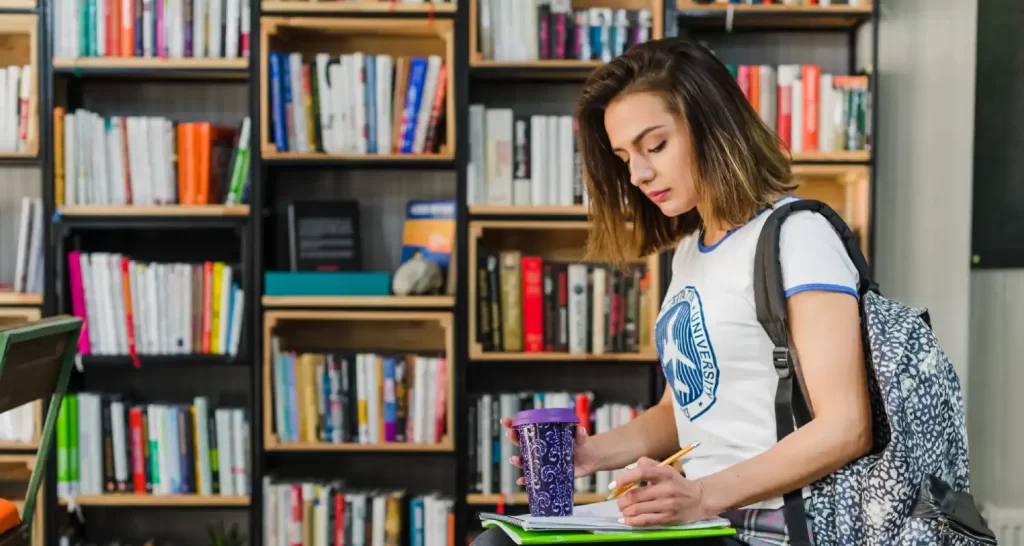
(585, 457)
(667, 499)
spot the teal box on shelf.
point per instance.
(327, 283)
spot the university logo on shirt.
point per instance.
(687, 357)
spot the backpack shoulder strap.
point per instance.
(791, 409)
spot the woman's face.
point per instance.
(656, 147)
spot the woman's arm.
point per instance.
(652, 434)
(825, 330)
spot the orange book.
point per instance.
(58, 155)
(186, 155)
(810, 78)
(401, 82)
(212, 168)
(127, 28)
(755, 87)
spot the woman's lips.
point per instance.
(658, 196)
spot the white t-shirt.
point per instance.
(716, 357)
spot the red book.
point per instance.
(533, 304)
(810, 77)
(583, 412)
(743, 79)
(137, 451)
(785, 113)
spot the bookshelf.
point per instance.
(227, 89)
(19, 58)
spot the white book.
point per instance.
(117, 433)
(826, 121)
(768, 90)
(486, 461)
(239, 451)
(24, 237)
(539, 146)
(301, 134)
(338, 88)
(420, 388)
(236, 321)
(102, 178)
(476, 192)
(231, 39)
(358, 75)
(133, 286)
(498, 127)
(225, 451)
(11, 104)
(798, 115)
(200, 18)
(554, 145)
(25, 134)
(6, 124)
(520, 164)
(215, 38)
(152, 305)
(384, 68)
(148, 30)
(577, 307)
(70, 159)
(361, 395)
(157, 155)
(327, 100)
(426, 103)
(34, 280)
(120, 312)
(566, 155)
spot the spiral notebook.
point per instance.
(598, 522)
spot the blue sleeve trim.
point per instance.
(822, 286)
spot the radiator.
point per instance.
(1006, 522)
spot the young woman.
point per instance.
(670, 142)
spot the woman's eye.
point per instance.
(658, 148)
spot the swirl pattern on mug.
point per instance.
(548, 456)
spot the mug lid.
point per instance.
(545, 415)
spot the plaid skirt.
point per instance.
(764, 527)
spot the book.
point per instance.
(597, 522)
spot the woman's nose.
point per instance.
(640, 173)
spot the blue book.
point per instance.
(370, 92)
(413, 98)
(277, 103)
(288, 109)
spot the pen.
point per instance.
(675, 457)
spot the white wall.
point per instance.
(925, 142)
(927, 58)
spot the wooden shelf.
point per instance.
(859, 156)
(394, 447)
(18, 446)
(154, 210)
(520, 498)
(20, 298)
(398, 331)
(397, 37)
(270, 153)
(773, 16)
(557, 240)
(19, 45)
(17, 4)
(527, 210)
(159, 500)
(359, 301)
(142, 66)
(476, 354)
(381, 7)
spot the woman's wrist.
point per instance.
(717, 494)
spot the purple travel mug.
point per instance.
(547, 447)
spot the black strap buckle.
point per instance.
(780, 358)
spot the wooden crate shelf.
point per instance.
(478, 60)
(359, 301)
(358, 331)
(774, 15)
(17, 4)
(555, 241)
(366, 6)
(151, 64)
(857, 156)
(127, 499)
(19, 46)
(21, 298)
(845, 188)
(17, 471)
(397, 37)
(527, 210)
(154, 210)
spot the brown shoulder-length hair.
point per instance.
(739, 167)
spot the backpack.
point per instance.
(913, 487)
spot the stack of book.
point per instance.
(107, 444)
(15, 107)
(19, 424)
(358, 103)
(304, 512)
(523, 160)
(28, 265)
(811, 111)
(552, 29)
(132, 307)
(173, 29)
(362, 398)
(137, 160)
(528, 304)
(490, 450)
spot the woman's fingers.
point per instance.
(510, 432)
(516, 461)
(521, 480)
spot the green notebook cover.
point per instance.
(520, 536)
